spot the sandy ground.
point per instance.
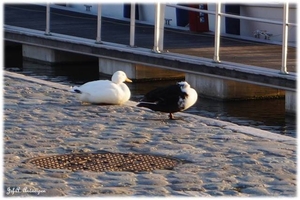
(43, 118)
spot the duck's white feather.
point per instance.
(105, 91)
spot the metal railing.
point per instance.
(159, 27)
(285, 24)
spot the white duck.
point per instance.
(105, 91)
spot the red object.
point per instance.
(198, 21)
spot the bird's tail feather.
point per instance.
(144, 104)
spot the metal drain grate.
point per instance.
(99, 162)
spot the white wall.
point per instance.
(147, 13)
(170, 13)
(108, 10)
(266, 11)
(82, 8)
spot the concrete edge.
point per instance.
(146, 52)
(255, 132)
(208, 121)
(36, 80)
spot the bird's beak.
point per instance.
(128, 80)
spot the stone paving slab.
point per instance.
(43, 118)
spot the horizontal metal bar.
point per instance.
(192, 9)
(255, 19)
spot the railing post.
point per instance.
(132, 24)
(47, 31)
(98, 38)
(285, 38)
(159, 28)
(217, 32)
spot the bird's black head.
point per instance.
(183, 85)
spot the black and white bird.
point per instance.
(170, 99)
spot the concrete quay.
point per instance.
(43, 118)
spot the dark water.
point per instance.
(263, 114)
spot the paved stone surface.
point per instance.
(42, 118)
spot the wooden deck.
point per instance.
(177, 41)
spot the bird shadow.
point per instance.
(166, 120)
(96, 104)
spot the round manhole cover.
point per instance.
(99, 162)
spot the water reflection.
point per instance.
(69, 73)
(264, 114)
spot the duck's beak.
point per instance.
(128, 80)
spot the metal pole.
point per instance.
(159, 28)
(156, 29)
(47, 31)
(285, 38)
(217, 32)
(98, 38)
(132, 24)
